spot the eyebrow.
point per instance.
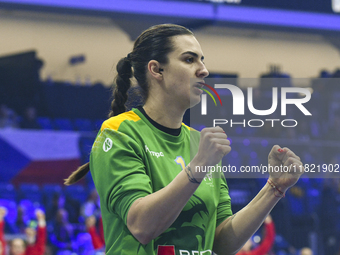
(192, 54)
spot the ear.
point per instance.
(154, 69)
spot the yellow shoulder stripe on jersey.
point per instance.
(186, 126)
(114, 122)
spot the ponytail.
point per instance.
(78, 174)
(123, 84)
(118, 106)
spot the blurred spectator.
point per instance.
(334, 129)
(306, 251)
(48, 250)
(92, 205)
(60, 202)
(272, 129)
(317, 124)
(97, 239)
(36, 239)
(17, 246)
(328, 219)
(3, 213)
(8, 117)
(29, 120)
(267, 242)
(21, 221)
(303, 130)
(62, 235)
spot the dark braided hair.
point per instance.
(122, 86)
(154, 43)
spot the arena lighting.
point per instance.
(186, 10)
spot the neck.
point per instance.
(164, 114)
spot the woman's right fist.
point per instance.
(213, 146)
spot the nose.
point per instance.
(202, 72)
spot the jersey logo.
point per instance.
(180, 161)
(107, 145)
(153, 153)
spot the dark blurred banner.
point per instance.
(19, 80)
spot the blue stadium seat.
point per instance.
(313, 199)
(8, 191)
(65, 252)
(11, 207)
(84, 243)
(297, 201)
(85, 144)
(30, 191)
(45, 123)
(30, 208)
(76, 192)
(63, 124)
(239, 196)
(98, 124)
(48, 192)
(83, 125)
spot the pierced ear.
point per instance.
(155, 69)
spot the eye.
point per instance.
(189, 60)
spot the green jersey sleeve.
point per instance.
(121, 175)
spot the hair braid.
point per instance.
(123, 84)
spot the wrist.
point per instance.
(198, 168)
(191, 176)
(30, 240)
(41, 223)
(277, 190)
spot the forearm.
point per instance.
(236, 230)
(96, 240)
(37, 247)
(41, 237)
(150, 216)
(2, 226)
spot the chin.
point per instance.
(194, 100)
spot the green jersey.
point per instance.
(130, 159)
